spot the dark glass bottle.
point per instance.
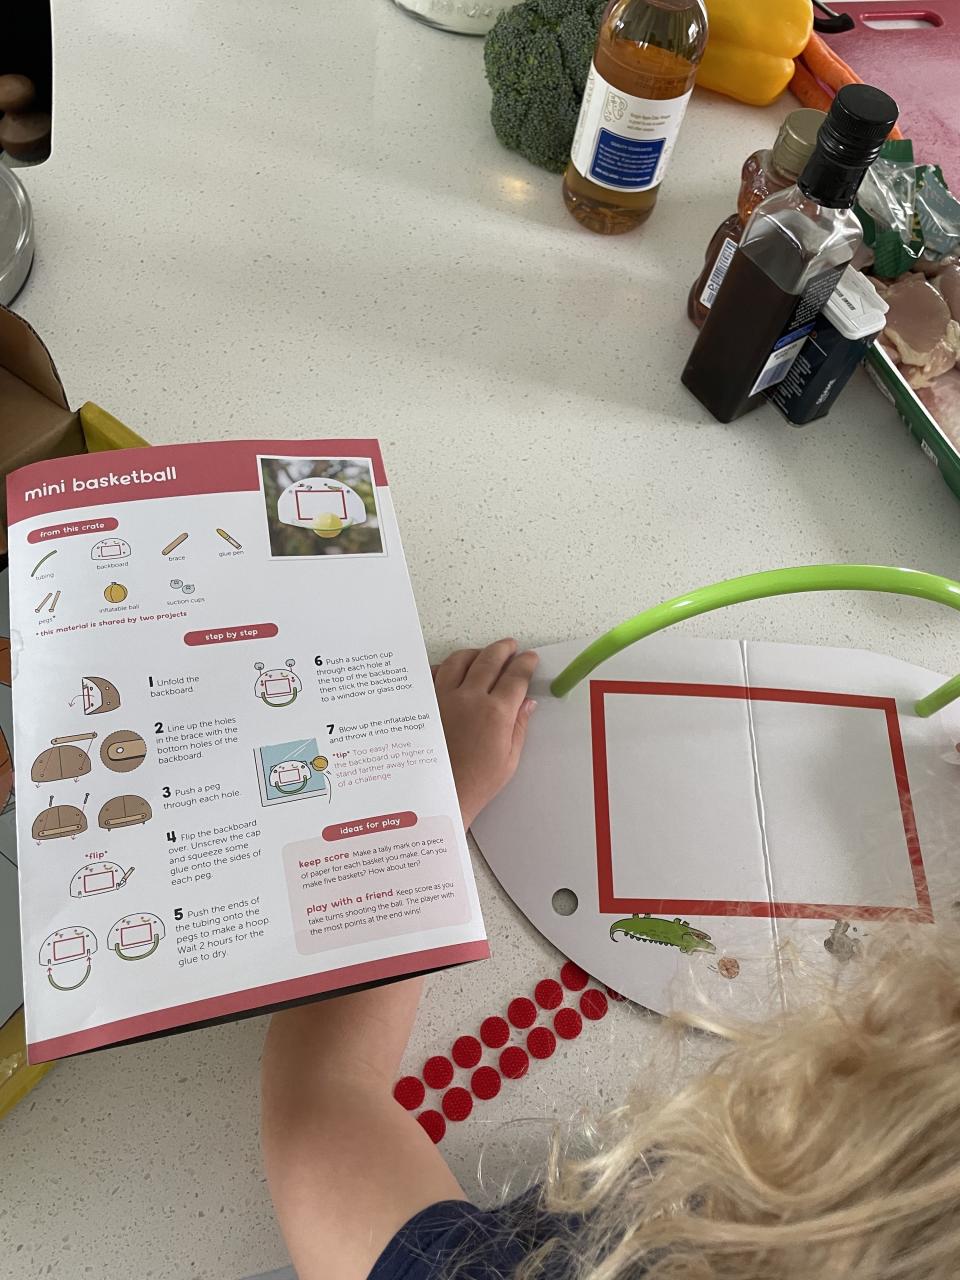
(792, 254)
(763, 173)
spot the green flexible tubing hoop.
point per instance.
(759, 586)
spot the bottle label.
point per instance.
(724, 258)
(797, 329)
(623, 142)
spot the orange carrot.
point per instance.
(822, 62)
(807, 90)
(826, 72)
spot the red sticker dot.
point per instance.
(457, 1104)
(541, 1042)
(433, 1123)
(568, 1024)
(438, 1072)
(409, 1092)
(573, 977)
(593, 1004)
(467, 1051)
(615, 995)
(522, 1012)
(514, 1063)
(494, 1032)
(548, 994)
(485, 1083)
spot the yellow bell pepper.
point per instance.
(752, 45)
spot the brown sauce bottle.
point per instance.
(792, 254)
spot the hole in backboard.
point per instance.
(565, 902)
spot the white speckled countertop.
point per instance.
(292, 218)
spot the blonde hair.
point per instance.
(821, 1145)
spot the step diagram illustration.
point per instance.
(59, 821)
(63, 760)
(67, 952)
(123, 751)
(292, 771)
(124, 811)
(98, 695)
(99, 877)
(277, 687)
(136, 937)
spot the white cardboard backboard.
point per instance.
(716, 805)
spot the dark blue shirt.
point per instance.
(456, 1238)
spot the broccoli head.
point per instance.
(537, 58)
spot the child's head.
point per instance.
(821, 1145)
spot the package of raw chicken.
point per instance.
(911, 227)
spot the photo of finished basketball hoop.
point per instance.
(320, 506)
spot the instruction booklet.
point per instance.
(233, 790)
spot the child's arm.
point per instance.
(347, 1166)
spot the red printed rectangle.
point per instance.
(136, 935)
(98, 881)
(69, 948)
(313, 502)
(611, 901)
(278, 687)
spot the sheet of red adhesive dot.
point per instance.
(548, 994)
(485, 1083)
(409, 1092)
(593, 1004)
(438, 1072)
(467, 1051)
(514, 1063)
(433, 1123)
(494, 1032)
(541, 1042)
(457, 1104)
(573, 977)
(568, 1024)
(522, 1012)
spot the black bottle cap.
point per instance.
(849, 141)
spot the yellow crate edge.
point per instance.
(102, 430)
(17, 1077)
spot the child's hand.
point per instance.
(485, 712)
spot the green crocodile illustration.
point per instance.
(666, 933)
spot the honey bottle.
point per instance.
(763, 173)
(636, 94)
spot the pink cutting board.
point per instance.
(918, 66)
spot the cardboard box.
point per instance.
(36, 422)
(931, 437)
